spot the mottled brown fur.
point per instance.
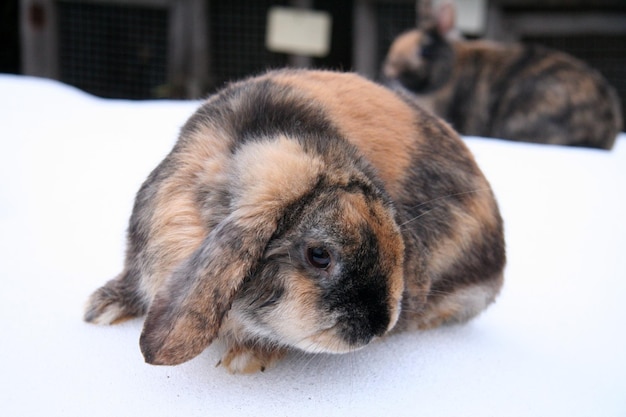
(350, 109)
(273, 167)
(510, 91)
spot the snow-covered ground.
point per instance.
(554, 344)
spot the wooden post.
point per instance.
(39, 38)
(364, 48)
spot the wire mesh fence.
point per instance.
(112, 50)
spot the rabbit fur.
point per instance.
(510, 91)
(301, 209)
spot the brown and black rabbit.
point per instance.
(305, 209)
(511, 91)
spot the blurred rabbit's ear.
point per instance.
(186, 314)
(446, 17)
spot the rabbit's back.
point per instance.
(528, 93)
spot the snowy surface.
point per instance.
(554, 344)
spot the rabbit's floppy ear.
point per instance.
(446, 18)
(186, 313)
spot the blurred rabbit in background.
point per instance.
(511, 91)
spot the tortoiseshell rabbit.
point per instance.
(310, 210)
(510, 91)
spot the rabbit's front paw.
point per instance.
(248, 360)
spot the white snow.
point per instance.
(554, 343)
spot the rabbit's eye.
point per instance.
(428, 50)
(429, 47)
(318, 257)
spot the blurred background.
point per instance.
(147, 49)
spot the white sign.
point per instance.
(298, 31)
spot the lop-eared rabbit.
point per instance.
(305, 209)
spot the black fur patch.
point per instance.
(497, 92)
(258, 109)
(485, 261)
(360, 294)
(439, 178)
(460, 108)
(434, 52)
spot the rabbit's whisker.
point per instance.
(434, 200)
